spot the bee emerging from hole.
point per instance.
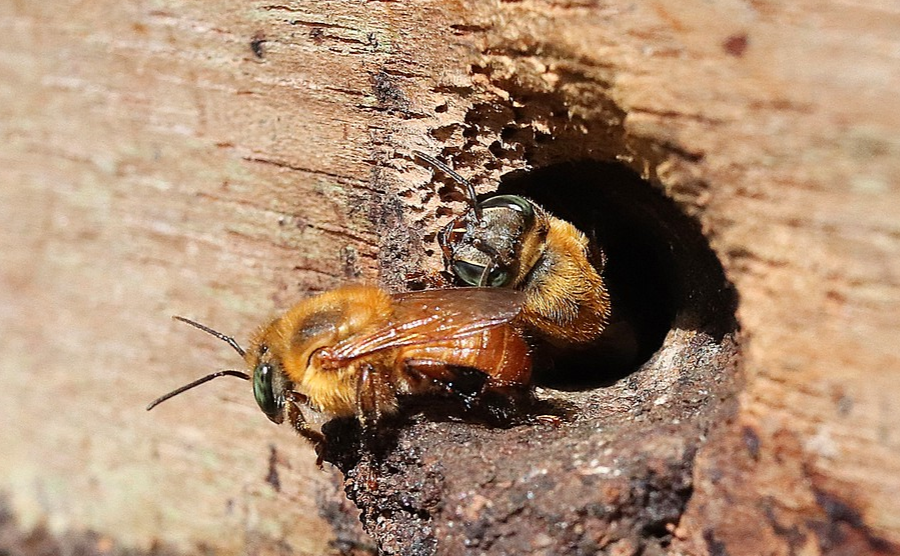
(356, 350)
(507, 241)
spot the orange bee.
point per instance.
(356, 350)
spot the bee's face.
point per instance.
(487, 251)
(281, 353)
(269, 383)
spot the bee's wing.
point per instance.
(434, 315)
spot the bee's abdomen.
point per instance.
(499, 352)
(504, 356)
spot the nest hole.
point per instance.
(660, 270)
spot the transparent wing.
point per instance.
(432, 316)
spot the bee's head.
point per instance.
(281, 353)
(270, 384)
(496, 243)
(497, 248)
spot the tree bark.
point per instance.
(223, 161)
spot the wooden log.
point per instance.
(222, 162)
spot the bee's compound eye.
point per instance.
(263, 392)
(499, 277)
(511, 202)
(468, 273)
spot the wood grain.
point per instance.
(222, 161)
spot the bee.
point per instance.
(356, 350)
(508, 241)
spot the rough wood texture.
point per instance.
(222, 161)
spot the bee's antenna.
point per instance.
(470, 189)
(197, 382)
(227, 339)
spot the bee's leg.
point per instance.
(375, 396)
(366, 404)
(508, 405)
(298, 422)
(465, 383)
(595, 254)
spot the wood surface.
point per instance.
(222, 160)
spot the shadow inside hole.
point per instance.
(660, 270)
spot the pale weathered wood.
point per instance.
(154, 163)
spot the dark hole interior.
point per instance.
(659, 268)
